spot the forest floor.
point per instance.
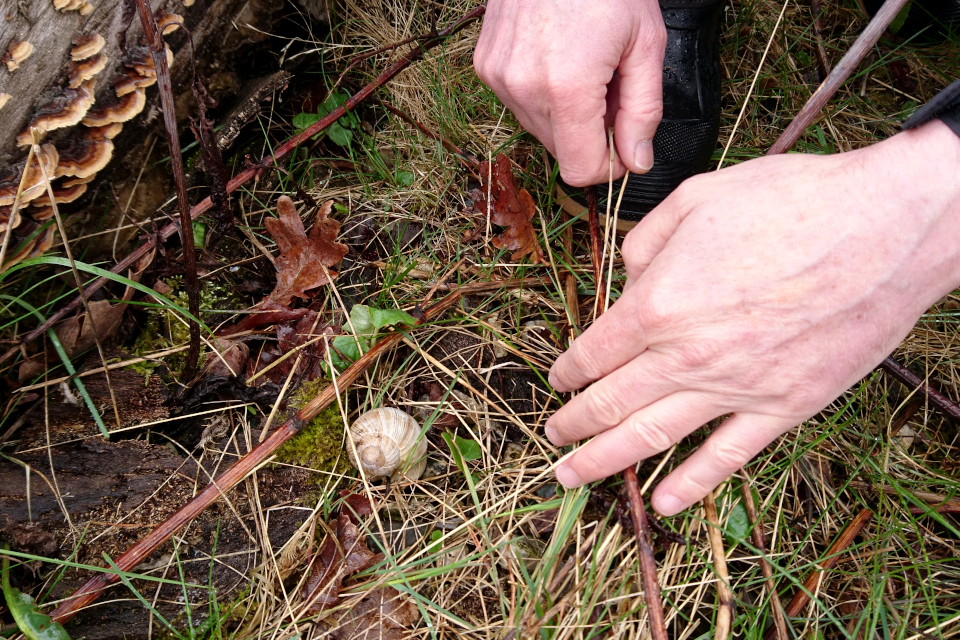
(484, 544)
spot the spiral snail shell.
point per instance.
(388, 443)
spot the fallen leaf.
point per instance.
(77, 334)
(382, 614)
(229, 360)
(305, 261)
(341, 555)
(291, 335)
(509, 206)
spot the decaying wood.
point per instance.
(216, 25)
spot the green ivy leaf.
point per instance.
(339, 135)
(405, 178)
(34, 624)
(468, 449)
(367, 322)
(199, 234)
(303, 121)
(738, 524)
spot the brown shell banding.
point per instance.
(16, 53)
(5, 213)
(388, 443)
(87, 46)
(119, 110)
(65, 110)
(82, 71)
(34, 184)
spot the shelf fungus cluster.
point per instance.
(72, 131)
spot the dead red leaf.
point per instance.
(341, 555)
(305, 262)
(382, 614)
(291, 335)
(229, 361)
(511, 207)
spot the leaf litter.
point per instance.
(305, 262)
(509, 206)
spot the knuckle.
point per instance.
(603, 406)
(695, 355)
(585, 362)
(648, 436)
(725, 454)
(576, 176)
(656, 311)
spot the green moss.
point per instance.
(319, 445)
(165, 329)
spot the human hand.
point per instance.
(762, 291)
(552, 63)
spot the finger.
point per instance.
(579, 132)
(615, 339)
(608, 401)
(649, 238)
(730, 447)
(641, 97)
(645, 433)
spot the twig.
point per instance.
(595, 251)
(913, 381)
(464, 155)
(648, 564)
(139, 552)
(846, 537)
(756, 532)
(415, 53)
(190, 279)
(863, 44)
(724, 595)
(823, 62)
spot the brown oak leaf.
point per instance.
(382, 614)
(511, 207)
(340, 556)
(305, 262)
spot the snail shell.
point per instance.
(388, 443)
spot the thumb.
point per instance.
(641, 96)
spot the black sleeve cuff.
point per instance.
(945, 106)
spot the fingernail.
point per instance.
(552, 379)
(567, 477)
(644, 155)
(553, 436)
(667, 505)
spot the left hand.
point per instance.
(761, 292)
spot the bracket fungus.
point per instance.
(16, 53)
(167, 23)
(86, 155)
(86, 46)
(33, 182)
(117, 110)
(64, 110)
(4, 99)
(86, 69)
(84, 7)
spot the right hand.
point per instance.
(552, 62)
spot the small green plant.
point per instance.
(341, 131)
(34, 624)
(366, 322)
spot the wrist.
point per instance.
(920, 168)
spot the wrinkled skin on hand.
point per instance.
(760, 292)
(552, 63)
